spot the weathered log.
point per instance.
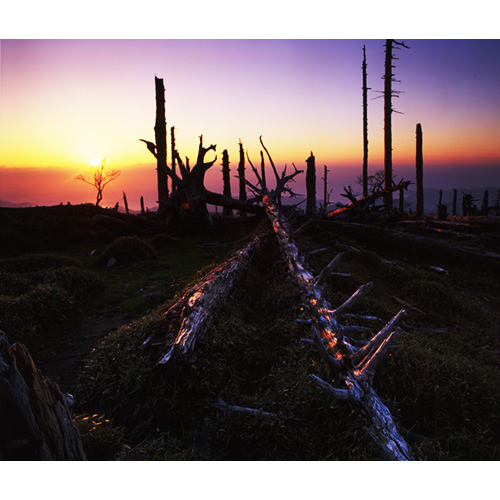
(363, 203)
(356, 366)
(36, 421)
(188, 319)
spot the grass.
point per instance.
(440, 380)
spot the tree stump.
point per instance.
(36, 421)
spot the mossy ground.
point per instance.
(441, 380)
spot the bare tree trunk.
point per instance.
(125, 202)
(484, 204)
(388, 124)
(311, 186)
(190, 317)
(356, 366)
(226, 178)
(326, 198)
(241, 176)
(262, 169)
(161, 144)
(420, 174)
(454, 208)
(173, 152)
(36, 422)
(365, 127)
(142, 205)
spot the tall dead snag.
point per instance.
(420, 174)
(161, 143)
(226, 179)
(36, 421)
(311, 186)
(365, 126)
(190, 316)
(388, 94)
(241, 176)
(355, 366)
(173, 151)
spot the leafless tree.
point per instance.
(99, 179)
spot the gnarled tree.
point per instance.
(187, 204)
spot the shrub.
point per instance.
(45, 309)
(128, 249)
(76, 281)
(34, 262)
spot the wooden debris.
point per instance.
(36, 421)
(191, 315)
(355, 366)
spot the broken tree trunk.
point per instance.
(311, 186)
(420, 175)
(161, 143)
(226, 178)
(356, 366)
(191, 315)
(361, 205)
(36, 422)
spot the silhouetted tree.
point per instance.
(388, 94)
(99, 179)
(484, 204)
(241, 176)
(262, 169)
(226, 179)
(172, 149)
(420, 174)
(311, 186)
(365, 126)
(161, 143)
(125, 202)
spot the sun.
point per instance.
(94, 163)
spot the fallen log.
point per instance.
(355, 365)
(190, 316)
(361, 205)
(36, 421)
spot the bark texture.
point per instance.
(188, 319)
(355, 365)
(36, 421)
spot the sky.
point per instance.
(65, 104)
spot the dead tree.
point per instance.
(173, 151)
(187, 206)
(311, 186)
(388, 94)
(36, 421)
(188, 319)
(484, 205)
(142, 205)
(454, 206)
(125, 202)
(365, 126)
(161, 143)
(241, 176)
(360, 207)
(99, 179)
(420, 174)
(226, 179)
(263, 169)
(355, 366)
